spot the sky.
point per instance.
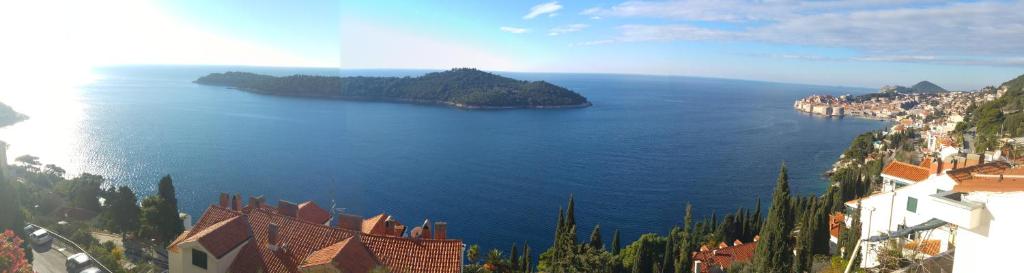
(870, 43)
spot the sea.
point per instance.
(647, 147)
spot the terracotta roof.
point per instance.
(309, 211)
(988, 177)
(723, 258)
(300, 239)
(222, 237)
(930, 247)
(835, 222)
(208, 219)
(906, 171)
(349, 255)
(374, 225)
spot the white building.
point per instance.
(976, 208)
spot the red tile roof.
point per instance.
(301, 239)
(374, 225)
(930, 247)
(349, 255)
(988, 177)
(309, 211)
(723, 258)
(906, 171)
(835, 222)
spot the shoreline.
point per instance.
(415, 101)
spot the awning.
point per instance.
(927, 225)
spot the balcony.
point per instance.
(950, 207)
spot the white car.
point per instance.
(91, 270)
(77, 262)
(40, 236)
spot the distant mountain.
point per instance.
(926, 87)
(463, 88)
(921, 87)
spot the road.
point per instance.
(48, 258)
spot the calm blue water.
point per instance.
(647, 147)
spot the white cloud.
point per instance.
(974, 33)
(545, 8)
(514, 30)
(566, 29)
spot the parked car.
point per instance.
(91, 270)
(40, 236)
(30, 228)
(78, 262)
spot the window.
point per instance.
(199, 258)
(911, 204)
(938, 190)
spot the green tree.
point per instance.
(773, 253)
(124, 211)
(11, 215)
(595, 238)
(513, 255)
(616, 244)
(473, 254)
(166, 190)
(85, 189)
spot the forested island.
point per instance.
(463, 88)
(8, 116)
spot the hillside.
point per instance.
(926, 87)
(999, 118)
(463, 88)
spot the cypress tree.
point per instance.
(688, 219)
(570, 214)
(166, 190)
(805, 241)
(773, 253)
(616, 244)
(595, 238)
(668, 261)
(757, 213)
(513, 256)
(527, 260)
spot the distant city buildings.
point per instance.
(306, 238)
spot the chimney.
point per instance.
(723, 245)
(757, 237)
(287, 208)
(426, 229)
(234, 202)
(224, 202)
(440, 230)
(737, 242)
(714, 252)
(350, 222)
(399, 230)
(704, 248)
(256, 201)
(272, 237)
(1000, 177)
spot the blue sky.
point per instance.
(869, 43)
(865, 43)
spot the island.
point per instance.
(8, 116)
(465, 88)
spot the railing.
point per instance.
(74, 245)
